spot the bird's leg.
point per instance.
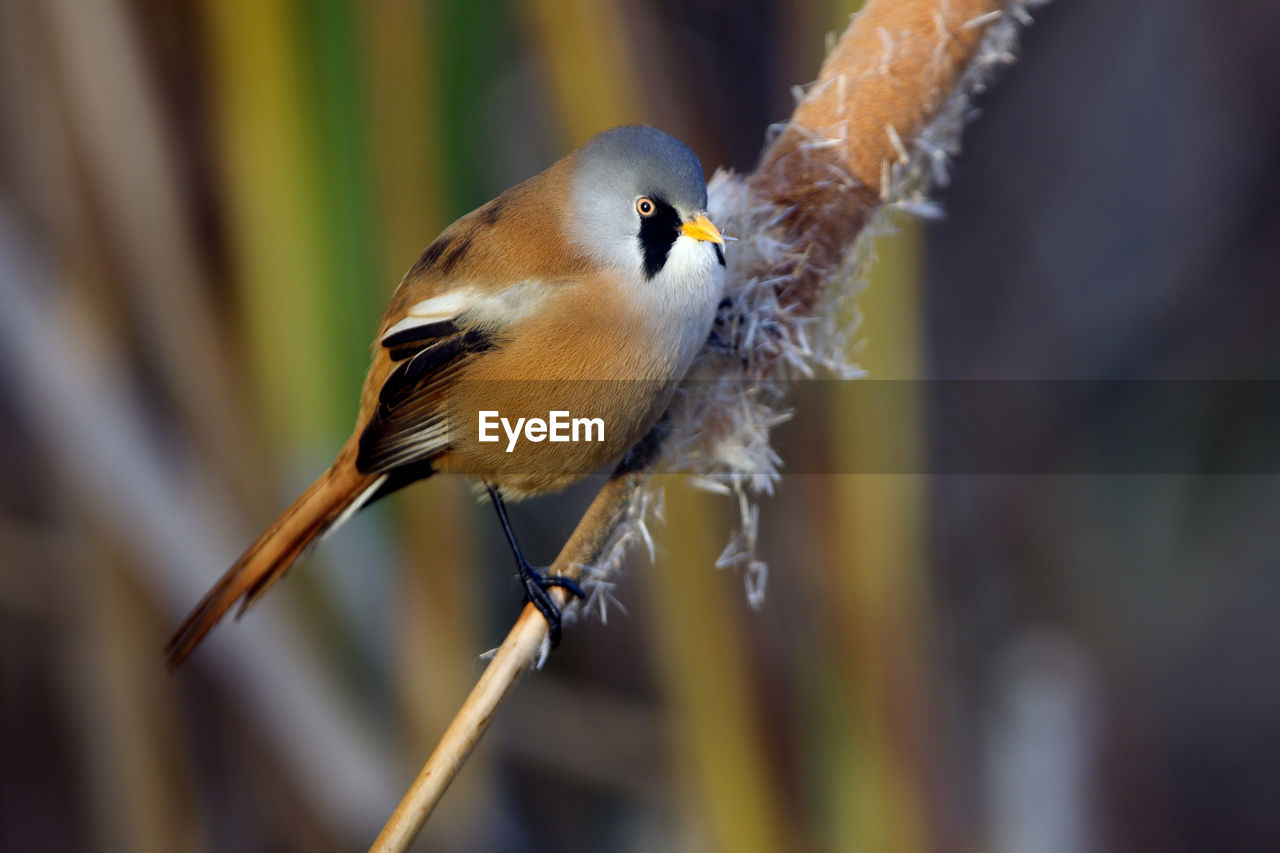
(536, 583)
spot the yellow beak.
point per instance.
(702, 229)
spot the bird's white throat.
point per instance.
(684, 294)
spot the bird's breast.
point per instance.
(575, 385)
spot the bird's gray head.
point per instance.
(636, 194)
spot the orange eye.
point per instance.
(645, 207)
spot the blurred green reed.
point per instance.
(351, 287)
(269, 179)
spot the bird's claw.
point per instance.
(536, 584)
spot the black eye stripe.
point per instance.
(658, 233)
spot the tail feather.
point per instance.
(325, 504)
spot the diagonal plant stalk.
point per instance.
(522, 648)
(873, 132)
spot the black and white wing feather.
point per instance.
(409, 424)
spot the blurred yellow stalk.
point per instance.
(273, 208)
(879, 541)
(589, 63)
(709, 681)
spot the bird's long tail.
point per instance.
(326, 503)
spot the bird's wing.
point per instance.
(485, 274)
(409, 422)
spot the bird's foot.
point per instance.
(536, 584)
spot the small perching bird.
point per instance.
(578, 297)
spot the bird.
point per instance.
(586, 290)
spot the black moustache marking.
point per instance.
(719, 253)
(658, 233)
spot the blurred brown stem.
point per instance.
(891, 70)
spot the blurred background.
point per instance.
(204, 207)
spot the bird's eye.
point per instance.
(644, 207)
